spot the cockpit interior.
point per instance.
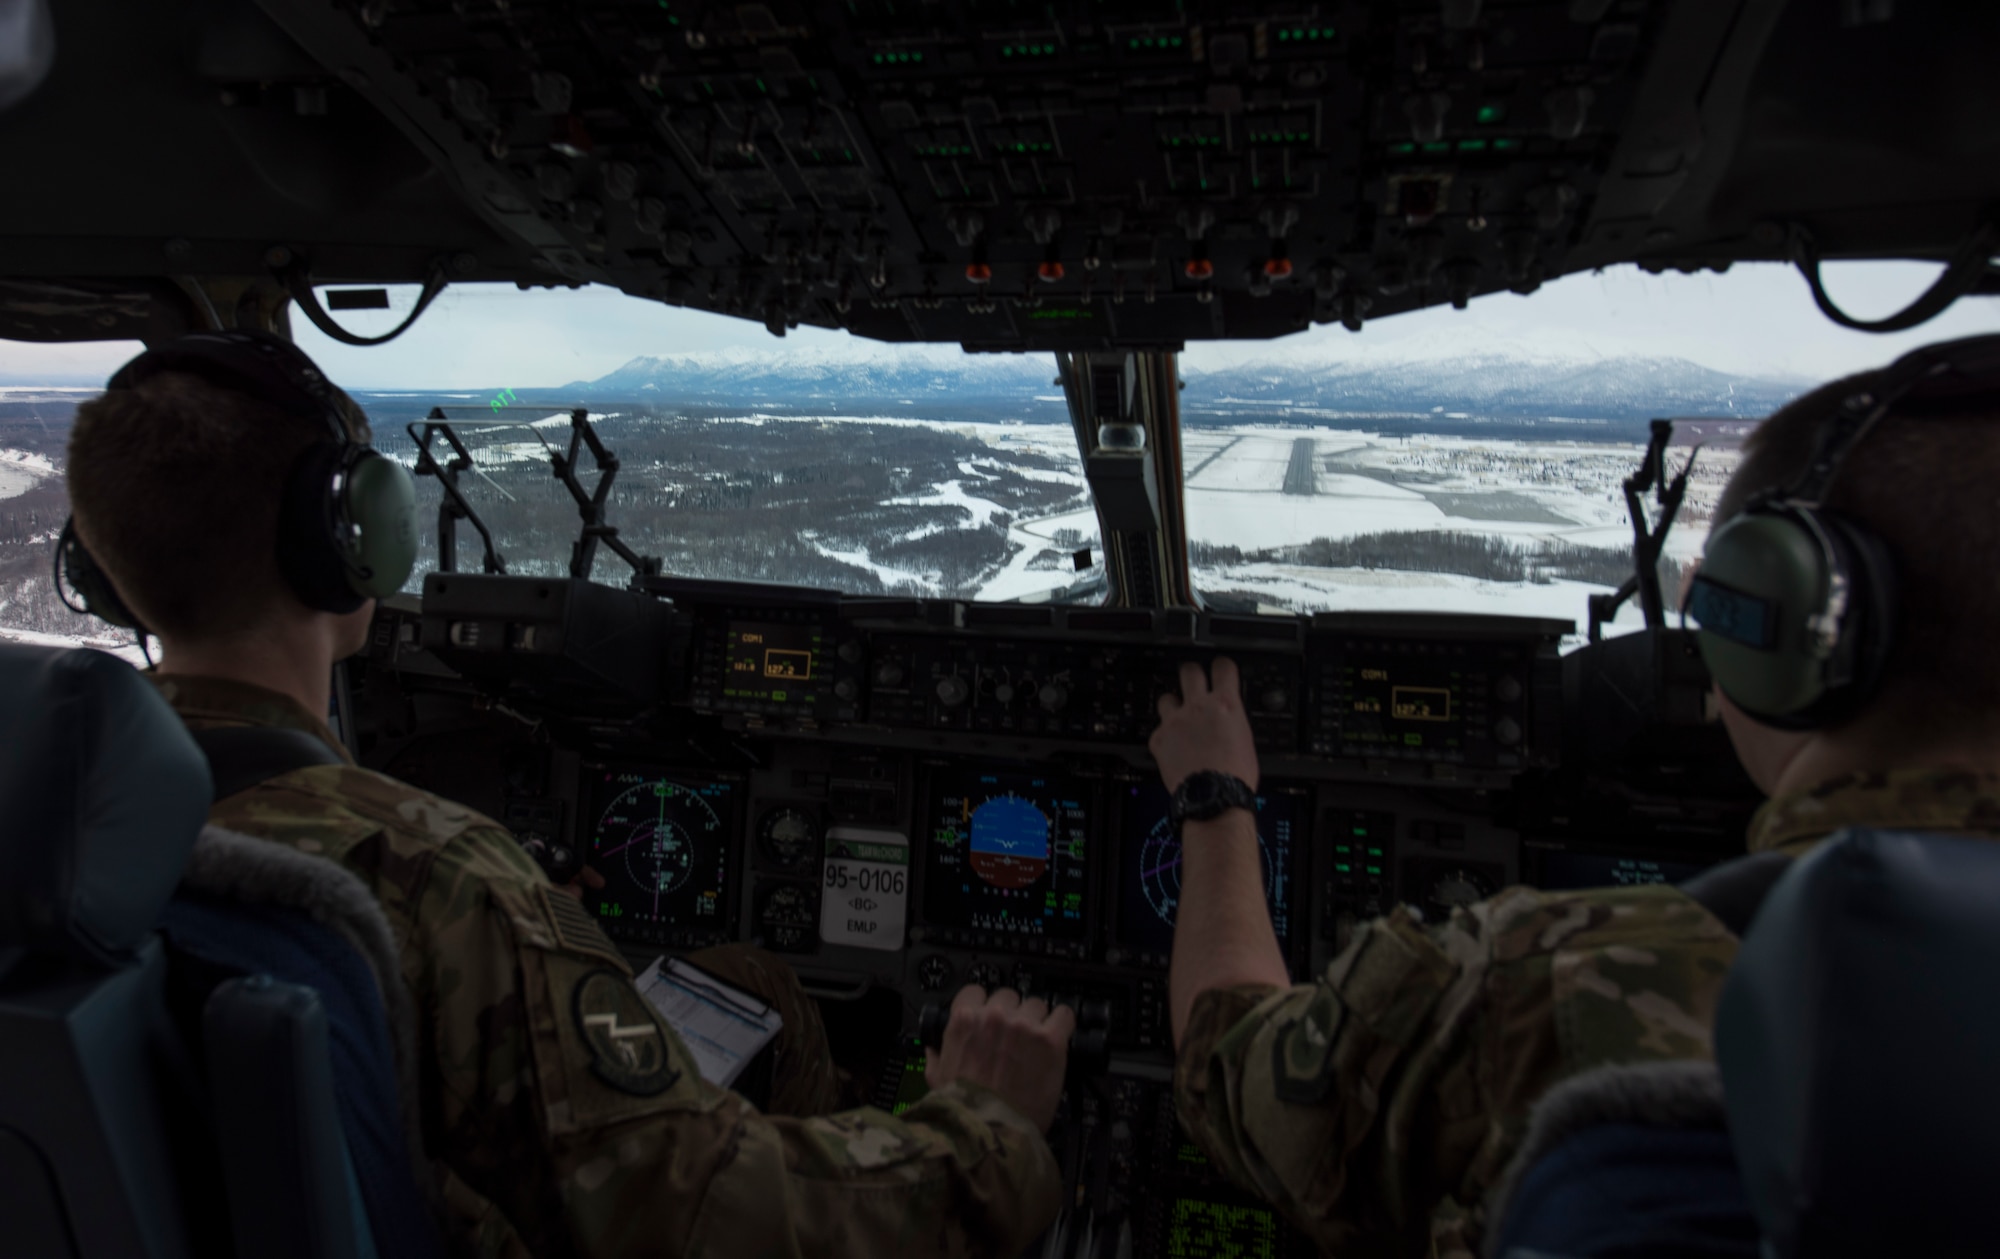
(902, 793)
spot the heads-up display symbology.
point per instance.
(1006, 853)
(1149, 865)
(662, 844)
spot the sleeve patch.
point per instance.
(576, 931)
(1302, 1051)
(628, 1049)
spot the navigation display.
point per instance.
(771, 662)
(1149, 866)
(661, 841)
(1418, 706)
(1006, 853)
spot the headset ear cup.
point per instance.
(310, 555)
(381, 503)
(80, 570)
(1873, 607)
(1772, 562)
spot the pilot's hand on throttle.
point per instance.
(1205, 727)
(1016, 1048)
(586, 878)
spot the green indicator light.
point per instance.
(1405, 147)
(1374, 852)
(1374, 869)
(1343, 868)
(1506, 145)
(1361, 830)
(1471, 146)
(1490, 114)
(1438, 146)
(1413, 740)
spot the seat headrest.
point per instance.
(1857, 1036)
(102, 794)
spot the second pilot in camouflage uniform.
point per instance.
(561, 1115)
(1378, 1106)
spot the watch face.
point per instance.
(1199, 790)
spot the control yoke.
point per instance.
(1089, 1044)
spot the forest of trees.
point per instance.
(1431, 551)
(777, 501)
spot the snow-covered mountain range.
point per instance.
(876, 374)
(1407, 379)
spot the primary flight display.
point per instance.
(1008, 855)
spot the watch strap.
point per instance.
(1216, 794)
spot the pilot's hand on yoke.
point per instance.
(1205, 727)
(1017, 1048)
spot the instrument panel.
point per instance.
(901, 797)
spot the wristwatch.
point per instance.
(1206, 794)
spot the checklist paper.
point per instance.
(722, 1026)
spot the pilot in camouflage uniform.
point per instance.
(1377, 1107)
(563, 1116)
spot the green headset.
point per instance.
(347, 523)
(1796, 605)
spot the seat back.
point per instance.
(152, 1103)
(1857, 1039)
(101, 797)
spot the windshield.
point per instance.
(1441, 461)
(864, 505)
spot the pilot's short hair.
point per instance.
(175, 485)
(1928, 485)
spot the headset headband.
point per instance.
(1949, 369)
(266, 367)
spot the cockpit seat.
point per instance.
(178, 1075)
(1859, 1042)
(1851, 1109)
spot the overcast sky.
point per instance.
(1754, 320)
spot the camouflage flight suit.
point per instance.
(564, 1117)
(1377, 1107)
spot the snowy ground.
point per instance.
(127, 651)
(20, 469)
(1260, 488)
(1530, 493)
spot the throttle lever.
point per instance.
(1089, 1044)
